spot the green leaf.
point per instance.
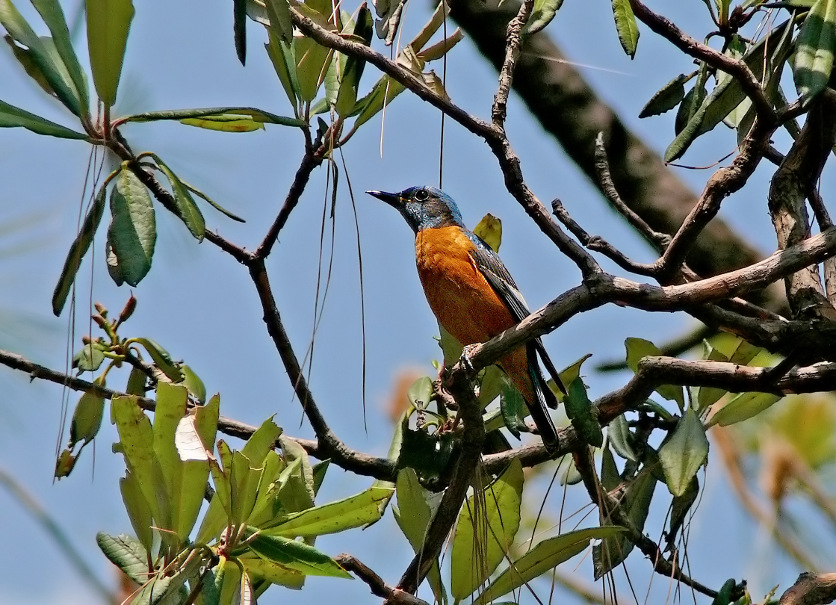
(108, 24)
(137, 381)
(228, 578)
(485, 531)
(53, 16)
(635, 504)
(262, 441)
(637, 348)
(15, 117)
(171, 407)
(626, 26)
(272, 572)
(239, 28)
(187, 210)
(684, 453)
(420, 392)
(666, 98)
(113, 265)
(360, 510)
(77, 251)
(161, 357)
(413, 515)
(513, 409)
(32, 67)
(542, 14)
(90, 357)
(267, 505)
(296, 556)
(568, 376)
(816, 45)
(312, 61)
(284, 63)
(381, 95)
(235, 116)
(621, 439)
(414, 512)
(193, 383)
(743, 407)
(212, 203)
(136, 440)
(724, 595)
(544, 557)
(244, 486)
(353, 67)
(48, 63)
(708, 395)
(133, 230)
(87, 417)
(580, 412)
(281, 26)
(126, 553)
(691, 103)
(680, 507)
(138, 509)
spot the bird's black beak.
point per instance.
(393, 199)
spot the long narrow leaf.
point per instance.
(187, 210)
(816, 46)
(108, 23)
(77, 251)
(253, 114)
(53, 16)
(21, 32)
(543, 557)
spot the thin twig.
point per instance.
(311, 160)
(602, 169)
(379, 588)
(513, 46)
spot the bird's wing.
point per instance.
(494, 270)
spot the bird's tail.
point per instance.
(544, 397)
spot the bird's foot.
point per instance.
(465, 357)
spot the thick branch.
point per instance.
(795, 178)
(811, 589)
(606, 289)
(470, 450)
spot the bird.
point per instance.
(472, 294)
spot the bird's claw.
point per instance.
(467, 350)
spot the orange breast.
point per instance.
(461, 298)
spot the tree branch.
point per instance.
(379, 588)
(811, 589)
(464, 466)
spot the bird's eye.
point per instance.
(421, 195)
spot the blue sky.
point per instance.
(200, 304)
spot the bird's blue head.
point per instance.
(423, 207)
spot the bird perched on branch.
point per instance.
(472, 294)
